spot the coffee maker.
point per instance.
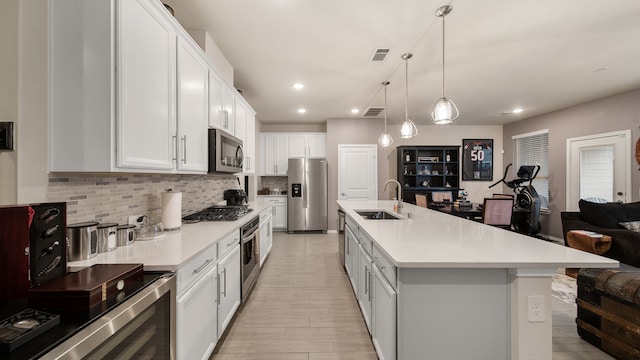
(235, 197)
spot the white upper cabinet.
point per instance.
(130, 91)
(317, 145)
(246, 130)
(193, 76)
(145, 87)
(107, 120)
(310, 145)
(250, 144)
(277, 148)
(274, 151)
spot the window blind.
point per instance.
(533, 149)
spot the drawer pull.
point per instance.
(202, 266)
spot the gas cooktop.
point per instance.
(218, 213)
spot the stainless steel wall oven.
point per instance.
(250, 255)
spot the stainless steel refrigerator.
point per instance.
(307, 195)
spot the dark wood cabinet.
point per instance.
(424, 169)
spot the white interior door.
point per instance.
(357, 172)
(599, 167)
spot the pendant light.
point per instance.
(445, 111)
(408, 128)
(385, 139)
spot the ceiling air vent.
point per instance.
(373, 111)
(379, 55)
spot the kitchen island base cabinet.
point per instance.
(453, 313)
(365, 295)
(197, 318)
(351, 258)
(229, 288)
(383, 330)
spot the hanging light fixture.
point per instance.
(445, 111)
(408, 128)
(385, 139)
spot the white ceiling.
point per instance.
(540, 55)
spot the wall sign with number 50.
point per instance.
(477, 159)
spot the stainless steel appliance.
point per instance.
(307, 195)
(249, 255)
(126, 234)
(218, 213)
(142, 327)
(83, 240)
(341, 225)
(225, 152)
(235, 197)
(107, 237)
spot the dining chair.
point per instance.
(441, 196)
(497, 212)
(421, 200)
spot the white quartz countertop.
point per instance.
(176, 248)
(432, 239)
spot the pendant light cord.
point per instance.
(443, 16)
(385, 107)
(406, 88)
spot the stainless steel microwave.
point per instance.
(225, 152)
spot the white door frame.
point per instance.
(626, 134)
(373, 147)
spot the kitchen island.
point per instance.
(432, 285)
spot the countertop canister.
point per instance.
(171, 210)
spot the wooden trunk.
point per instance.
(609, 310)
(86, 288)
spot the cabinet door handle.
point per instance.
(184, 148)
(224, 291)
(366, 275)
(202, 266)
(370, 280)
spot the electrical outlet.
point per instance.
(136, 220)
(535, 306)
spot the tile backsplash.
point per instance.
(113, 197)
(271, 182)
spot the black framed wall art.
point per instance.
(477, 159)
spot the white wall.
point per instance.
(9, 95)
(453, 135)
(32, 126)
(210, 48)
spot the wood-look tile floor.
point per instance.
(303, 308)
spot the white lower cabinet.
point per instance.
(365, 295)
(372, 277)
(197, 318)
(383, 330)
(228, 288)
(351, 254)
(266, 234)
(279, 210)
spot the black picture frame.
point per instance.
(477, 159)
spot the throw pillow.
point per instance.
(631, 225)
(609, 215)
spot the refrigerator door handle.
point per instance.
(305, 193)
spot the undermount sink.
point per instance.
(377, 215)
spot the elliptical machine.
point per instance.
(526, 215)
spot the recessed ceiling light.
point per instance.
(517, 110)
(298, 86)
(302, 110)
(355, 111)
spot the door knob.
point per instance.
(620, 193)
(343, 194)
